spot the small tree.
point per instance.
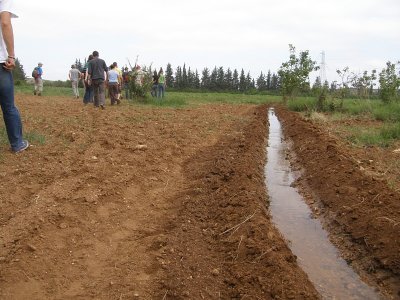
(294, 74)
(364, 83)
(345, 78)
(18, 72)
(389, 82)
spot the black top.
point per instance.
(155, 79)
(96, 68)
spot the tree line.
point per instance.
(219, 79)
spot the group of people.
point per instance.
(96, 77)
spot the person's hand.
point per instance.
(9, 64)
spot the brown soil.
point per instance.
(150, 203)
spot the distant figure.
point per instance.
(11, 114)
(161, 83)
(113, 82)
(119, 96)
(75, 75)
(38, 80)
(139, 76)
(154, 87)
(97, 75)
(126, 79)
(88, 97)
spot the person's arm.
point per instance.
(69, 75)
(8, 36)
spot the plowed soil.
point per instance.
(143, 202)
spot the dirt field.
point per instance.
(140, 202)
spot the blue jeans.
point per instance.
(154, 89)
(88, 97)
(11, 115)
(161, 89)
(128, 94)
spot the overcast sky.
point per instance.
(253, 34)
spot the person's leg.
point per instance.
(40, 86)
(36, 86)
(11, 114)
(76, 89)
(102, 94)
(96, 93)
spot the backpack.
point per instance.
(35, 73)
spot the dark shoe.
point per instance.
(102, 106)
(39, 94)
(34, 92)
(25, 145)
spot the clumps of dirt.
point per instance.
(226, 246)
(360, 210)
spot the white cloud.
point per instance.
(252, 34)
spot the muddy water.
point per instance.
(330, 274)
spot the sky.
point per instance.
(253, 34)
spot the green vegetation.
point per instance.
(35, 137)
(294, 74)
(47, 90)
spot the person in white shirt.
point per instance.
(75, 75)
(11, 116)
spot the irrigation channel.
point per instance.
(317, 256)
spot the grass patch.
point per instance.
(387, 112)
(35, 137)
(302, 104)
(3, 136)
(27, 89)
(382, 137)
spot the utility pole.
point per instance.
(322, 70)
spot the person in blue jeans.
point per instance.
(11, 115)
(161, 84)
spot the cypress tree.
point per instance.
(169, 76)
(242, 81)
(268, 80)
(205, 78)
(235, 80)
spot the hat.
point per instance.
(40, 64)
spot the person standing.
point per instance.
(126, 81)
(154, 87)
(75, 75)
(11, 116)
(161, 83)
(97, 75)
(113, 82)
(38, 80)
(88, 97)
(119, 96)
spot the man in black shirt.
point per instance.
(97, 75)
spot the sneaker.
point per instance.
(34, 92)
(102, 106)
(25, 145)
(39, 94)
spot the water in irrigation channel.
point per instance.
(330, 274)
